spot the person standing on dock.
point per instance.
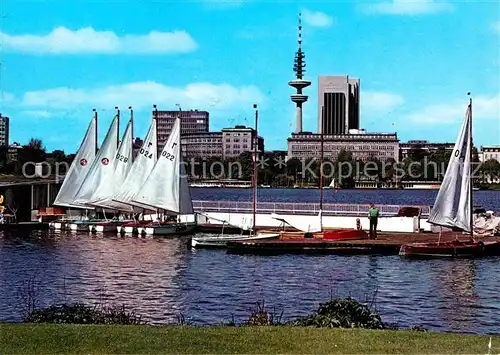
(373, 213)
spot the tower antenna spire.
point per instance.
(299, 83)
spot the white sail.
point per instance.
(452, 207)
(101, 167)
(332, 183)
(166, 188)
(122, 163)
(79, 167)
(144, 162)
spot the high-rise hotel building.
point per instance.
(338, 104)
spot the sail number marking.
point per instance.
(122, 158)
(168, 155)
(146, 153)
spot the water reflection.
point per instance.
(162, 278)
(454, 283)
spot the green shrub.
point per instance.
(79, 313)
(342, 313)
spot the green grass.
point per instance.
(96, 339)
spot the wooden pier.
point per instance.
(385, 244)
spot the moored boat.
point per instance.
(451, 249)
(453, 207)
(164, 229)
(221, 241)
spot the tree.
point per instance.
(29, 155)
(417, 153)
(345, 169)
(491, 169)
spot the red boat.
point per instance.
(452, 249)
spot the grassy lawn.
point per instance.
(97, 339)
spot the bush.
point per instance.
(79, 313)
(342, 313)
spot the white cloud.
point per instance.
(317, 18)
(408, 7)
(496, 27)
(142, 95)
(7, 98)
(380, 102)
(483, 108)
(87, 40)
(37, 113)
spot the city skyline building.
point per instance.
(4, 130)
(192, 121)
(363, 146)
(238, 140)
(299, 83)
(338, 100)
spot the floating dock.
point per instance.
(385, 244)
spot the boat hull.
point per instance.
(452, 249)
(221, 241)
(57, 225)
(168, 229)
(78, 227)
(346, 234)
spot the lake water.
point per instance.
(161, 279)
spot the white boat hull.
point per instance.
(221, 241)
(101, 228)
(57, 225)
(78, 227)
(168, 229)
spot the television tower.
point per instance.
(299, 83)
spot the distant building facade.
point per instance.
(238, 140)
(192, 121)
(382, 146)
(426, 146)
(489, 152)
(4, 130)
(202, 145)
(338, 104)
(13, 151)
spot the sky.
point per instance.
(416, 61)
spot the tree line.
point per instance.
(273, 170)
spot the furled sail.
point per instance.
(79, 167)
(166, 188)
(101, 168)
(138, 173)
(452, 207)
(122, 163)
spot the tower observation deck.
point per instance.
(299, 83)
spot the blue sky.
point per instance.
(416, 61)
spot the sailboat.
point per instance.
(166, 189)
(98, 171)
(453, 207)
(77, 172)
(112, 180)
(136, 177)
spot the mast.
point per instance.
(132, 125)
(96, 142)
(118, 135)
(321, 174)
(471, 180)
(254, 177)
